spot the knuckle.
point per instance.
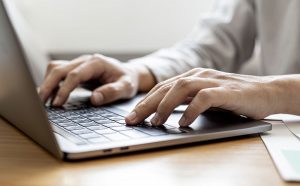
(130, 88)
(182, 82)
(164, 89)
(222, 76)
(98, 58)
(204, 95)
(73, 75)
(56, 71)
(207, 72)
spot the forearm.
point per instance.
(218, 42)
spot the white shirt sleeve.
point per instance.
(222, 40)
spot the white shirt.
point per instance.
(225, 40)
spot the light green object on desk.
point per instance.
(293, 158)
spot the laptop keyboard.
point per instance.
(84, 124)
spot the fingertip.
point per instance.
(57, 101)
(97, 98)
(184, 121)
(156, 120)
(131, 118)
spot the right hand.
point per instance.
(117, 80)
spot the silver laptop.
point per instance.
(78, 130)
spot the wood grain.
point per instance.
(238, 161)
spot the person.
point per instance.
(202, 68)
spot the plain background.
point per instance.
(111, 26)
(123, 29)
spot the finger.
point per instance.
(166, 83)
(54, 64)
(75, 62)
(82, 73)
(188, 100)
(56, 74)
(183, 88)
(111, 92)
(205, 99)
(148, 106)
(52, 81)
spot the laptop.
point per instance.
(78, 130)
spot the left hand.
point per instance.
(252, 96)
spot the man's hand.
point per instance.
(252, 96)
(117, 80)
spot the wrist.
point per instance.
(146, 80)
(284, 89)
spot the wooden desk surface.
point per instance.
(239, 161)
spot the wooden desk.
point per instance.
(239, 161)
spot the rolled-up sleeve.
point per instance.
(222, 40)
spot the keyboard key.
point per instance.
(98, 127)
(112, 125)
(108, 115)
(74, 117)
(53, 116)
(88, 115)
(100, 111)
(94, 118)
(116, 118)
(80, 121)
(74, 127)
(63, 120)
(135, 134)
(121, 121)
(91, 123)
(82, 131)
(103, 121)
(116, 136)
(71, 137)
(105, 131)
(67, 124)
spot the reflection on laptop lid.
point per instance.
(34, 52)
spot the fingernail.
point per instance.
(183, 121)
(156, 120)
(98, 98)
(132, 116)
(56, 101)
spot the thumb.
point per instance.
(110, 92)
